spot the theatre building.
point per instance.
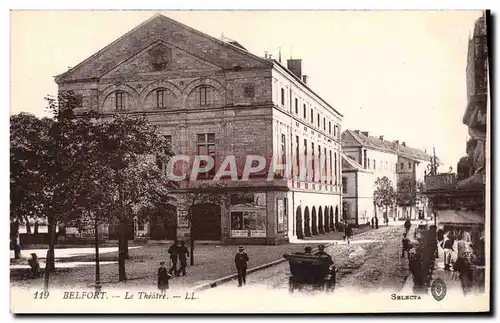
(213, 97)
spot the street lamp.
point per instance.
(97, 269)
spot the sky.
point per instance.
(400, 74)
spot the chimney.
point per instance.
(381, 138)
(304, 78)
(403, 144)
(365, 133)
(295, 66)
(265, 54)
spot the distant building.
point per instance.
(368, 158)
(213, 97)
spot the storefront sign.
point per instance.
(442, 181)
(281, 215)
(182, 219)
(248, 223)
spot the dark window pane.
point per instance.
(201, 138)
(211, 137)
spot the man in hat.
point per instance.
(321, 253)
(241, 260)
(173, 250)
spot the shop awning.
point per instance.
(460, 217)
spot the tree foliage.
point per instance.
(384, 194)
(85, 161)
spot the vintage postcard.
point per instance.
(250, 161)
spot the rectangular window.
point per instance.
(324, 124)
(313, 161)
(319, 120)
(335, 131)
(306, 158)
(206, 147)
(336, 174)
(120, 101)
(320, 173)
(325, 167)
(330, 127)
(205, 95)
(409, 165)
(282, 96)
(283, 149)
(368, 161)
(298, 154)
(296, 106)
(312, 116)
(344, 184)
(401, 166)
(331, 170)
(305, 111)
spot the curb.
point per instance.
(225, 279)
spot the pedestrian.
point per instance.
(348, 232)
(373, 223)
(183, 253)
(34, 265)
(406, 246)
(407, 225)
(321, 253)
(448, 249)
(173, 250)
(376, 222)
(163, 278)
(241, 260)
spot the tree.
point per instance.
(384, 194)
(410, 191)
(130, 151)
(84, 161)
(28, 141)
(205, 193)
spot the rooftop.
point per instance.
(363, 138)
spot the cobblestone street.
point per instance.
(371, 263)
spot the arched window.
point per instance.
(161, 99)
(120, 100)
(205, 95)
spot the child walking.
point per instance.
(163, 278)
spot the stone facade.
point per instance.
(206, 94)
(368, 158)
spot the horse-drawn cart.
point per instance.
(308, 270)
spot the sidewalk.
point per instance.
(211, 262)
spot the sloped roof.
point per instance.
(349, 163)
(352, 138)
(155, 28)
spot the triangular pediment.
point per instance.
(161, 57)
(208, 50)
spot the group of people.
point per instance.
(178, 254)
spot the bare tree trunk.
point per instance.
(28, 226)
(191, 251)
(122, 275)
(50, 261)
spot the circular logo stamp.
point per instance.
(438, 289)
